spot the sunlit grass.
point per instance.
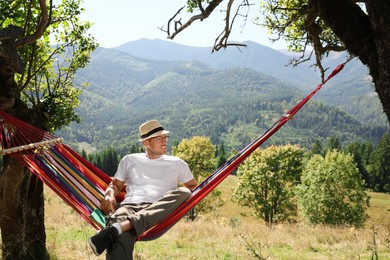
(231, 233)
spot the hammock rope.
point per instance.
(82, 185)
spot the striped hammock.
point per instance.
(82, 185)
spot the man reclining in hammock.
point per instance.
(152, 193)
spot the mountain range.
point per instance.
(344, 91)
(231, 96)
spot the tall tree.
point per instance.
(379, 166)
(41, 48)
(361, 153)
(333, 143)
(267, 182)
(199, 153)
(220, 155)
(106, 160)
(360, 27)
(332, 191)
(317, 148)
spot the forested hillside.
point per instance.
(351, 90)
(189, 98)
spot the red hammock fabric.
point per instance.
(220, 174)
(83, 188)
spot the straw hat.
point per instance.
(151, 129)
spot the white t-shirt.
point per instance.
(147, 180)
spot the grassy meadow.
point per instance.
(231, 233)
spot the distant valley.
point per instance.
(230, 96)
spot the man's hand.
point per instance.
(108, 204)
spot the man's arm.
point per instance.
(191, 184)
(108, 203)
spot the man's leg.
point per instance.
(159, 210)
(108, 237)
(123, 247)
(139, 218)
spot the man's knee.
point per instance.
(185, 192)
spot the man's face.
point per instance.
(156, 146)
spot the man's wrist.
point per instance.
(111, 191)
(109, 195)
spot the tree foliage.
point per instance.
(106, 160)
(318, 26)
(298, 23)
(378, 168)
(361, 153)
(42, 47)
(199, 153)
(49, 64)
(332, 191)
(333, 143)
(267, 182)
(372, 160)
(316, 148)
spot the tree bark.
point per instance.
(22, 213)
(21, 204)
(379, 11)
(365, 36)
(21, 196)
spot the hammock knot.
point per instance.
(288, 116)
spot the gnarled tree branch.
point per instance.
(204, 14)
(222, 40)
(43, 23)
(11, 39)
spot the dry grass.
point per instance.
(231, 233)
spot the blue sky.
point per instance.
(119, 21)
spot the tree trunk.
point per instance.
(379, 11)
(21, 194)
(367, 37)
(22, 213)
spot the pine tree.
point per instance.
(379, 166)
(333, 143)
(317, 148)
(361, 153)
